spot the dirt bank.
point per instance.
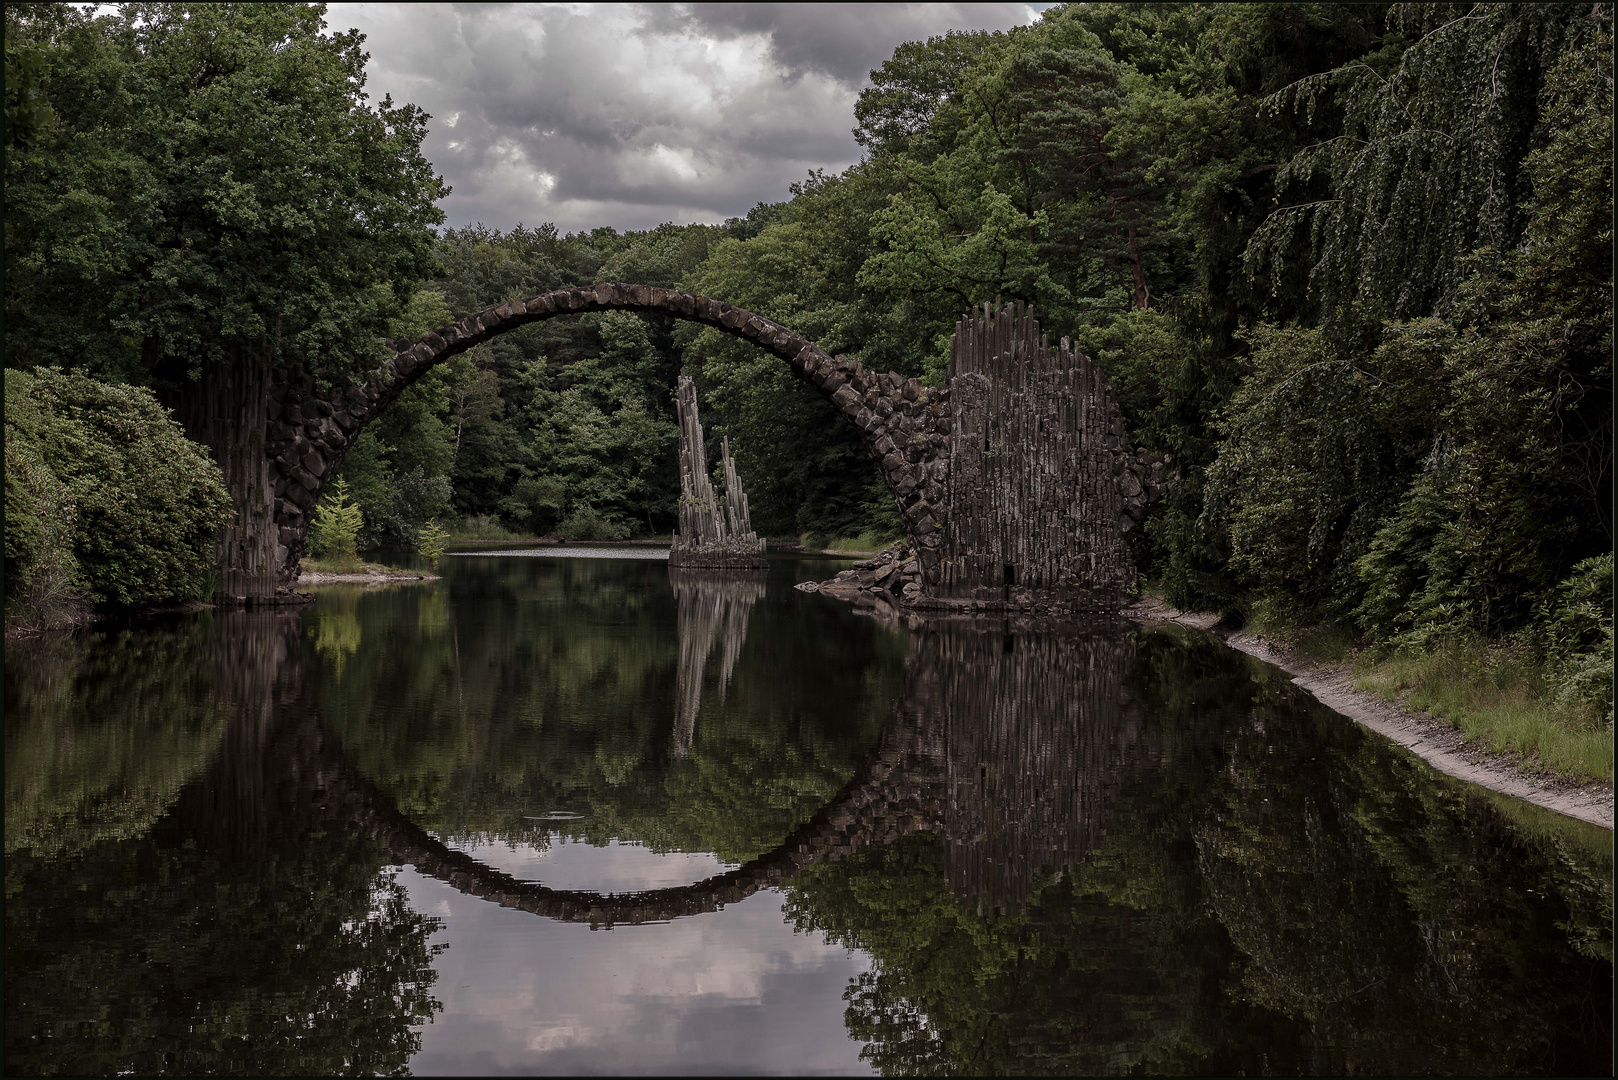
(1443, 747)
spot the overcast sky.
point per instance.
(630, 115)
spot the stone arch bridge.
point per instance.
(1015, 480)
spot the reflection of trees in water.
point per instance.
(103, 729)
(1283, 893)
(712, 609)
(554, 687)
(240, 933)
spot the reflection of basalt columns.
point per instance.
(715, 530)
(712, 609)
(1039, 732)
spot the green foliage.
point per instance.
(104, 479)
(1504, 696)
(215, 181)
(1348, 266)
(585, 524)
(336, 525)
(430, 542)
(536, 503)
(1443, 474)
(1575, 628)
(42, 573)
(801, 463)
(27, 112)
(1427, 162)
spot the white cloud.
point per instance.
(630, 115)
(728, 992)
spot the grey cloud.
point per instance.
(630, 116)
(846, 41)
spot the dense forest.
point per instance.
(1349, 266)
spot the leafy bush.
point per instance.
(430, 544)
(337, 524)
(42, 575)
(1575, 630)
(482, 527)
(109, 468)
(536, 503)
(585, 524)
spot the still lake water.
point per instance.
(565, 815)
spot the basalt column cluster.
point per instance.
(1043, 482)
(715, 530)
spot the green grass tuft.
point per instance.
(868, 542)
(483, 527)
(1497, 694)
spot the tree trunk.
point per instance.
(1142, 295)
(227, 410)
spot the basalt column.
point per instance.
(1043, 482)
(226, 411)
(715, 531)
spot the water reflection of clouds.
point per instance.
(617, 867)
(736, 991)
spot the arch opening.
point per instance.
(901, 423)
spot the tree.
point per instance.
(337, 524)
(430, 544)
(1436, 456)
(216, 196)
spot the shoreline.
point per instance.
(327, 577)
(1442, 746)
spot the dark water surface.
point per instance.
(563, 815)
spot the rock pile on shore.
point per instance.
(894, 573)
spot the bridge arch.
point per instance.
(902, 424)
(899, 790)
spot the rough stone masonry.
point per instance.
(972, 466)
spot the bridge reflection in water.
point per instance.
(1077, 849)
(1010, 740)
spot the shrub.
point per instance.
(43, 584)
(107, 466)
(585, 524)
(337, 524)
(430, 546)
(1574, 627)
(536, 503)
